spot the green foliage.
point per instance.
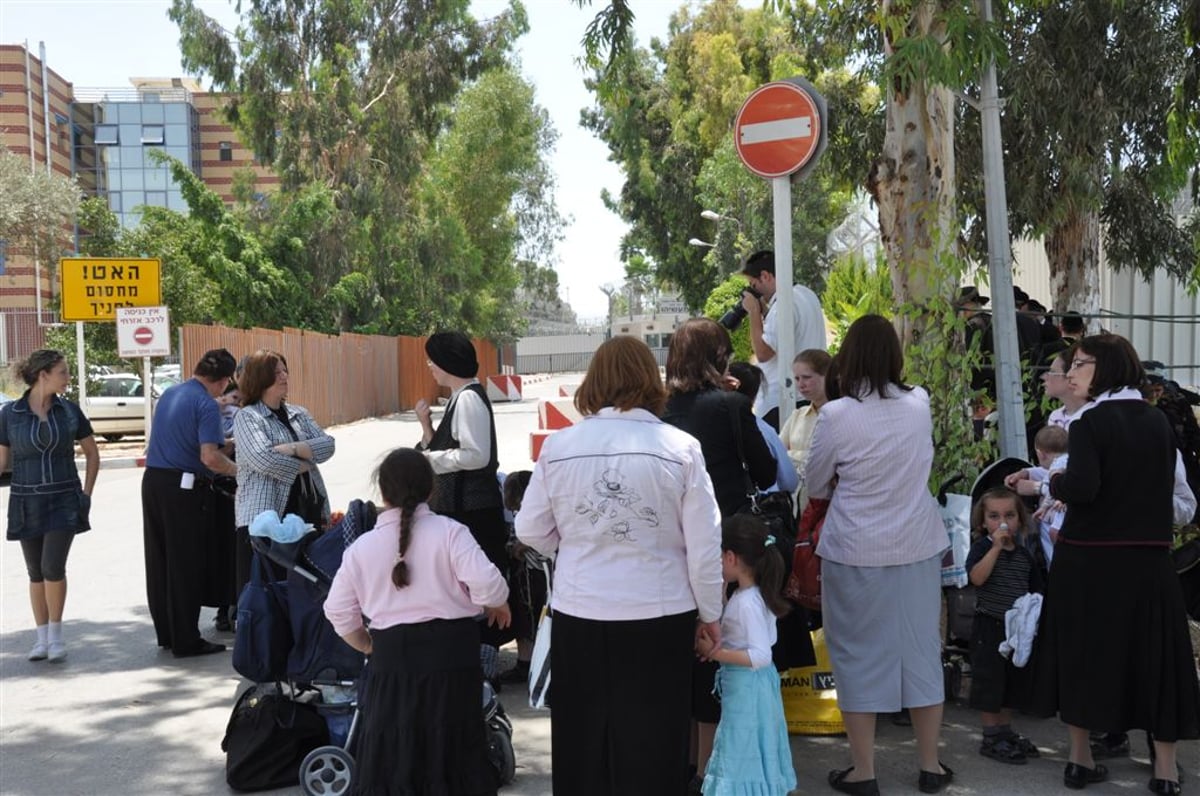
(855, 288)
(36, 209)
(938, 360)
(722, 298)
(413, 163)
(665, 117)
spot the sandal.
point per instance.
(1004, 749)
(1027, 747)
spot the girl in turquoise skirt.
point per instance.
(751, 755)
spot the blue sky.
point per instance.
(80, 36)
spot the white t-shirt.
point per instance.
(808, 328)
(747, 624)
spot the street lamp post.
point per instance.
(701, 243)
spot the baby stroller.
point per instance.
(321, 659)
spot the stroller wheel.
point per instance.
(327, 771)
(501, 755)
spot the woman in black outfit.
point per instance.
(1114, 646)
(699, 404)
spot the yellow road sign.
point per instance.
(94, 287)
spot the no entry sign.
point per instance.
(780, 128)
(143, 332)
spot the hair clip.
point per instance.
(770, 540)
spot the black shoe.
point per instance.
(1078, 777)
(203, 647)
(864, 787)
(1110, 746)
(1165, 787)
(932, 782)
(1027, 747)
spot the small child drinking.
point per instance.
(751, 753)
(1002, 570)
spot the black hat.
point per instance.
(1019, 296)
(453, 353)
(969, 293)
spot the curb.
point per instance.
(115, 463)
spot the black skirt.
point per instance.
(422, 730)
(1113, 651)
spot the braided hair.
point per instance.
(405, 481)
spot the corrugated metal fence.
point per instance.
(338, 378)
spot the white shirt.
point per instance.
(471, 425)
(626, 501)
(881, 450)
(808, 327)
(749, 625)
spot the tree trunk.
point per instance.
(912, 181)
(1073, 249)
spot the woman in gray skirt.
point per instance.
(881, 551)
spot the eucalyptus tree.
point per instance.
(37, 209)
(1101, 136)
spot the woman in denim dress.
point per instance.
(47, 504)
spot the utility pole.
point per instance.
(1006, 358)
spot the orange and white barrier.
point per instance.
(503, 388)
(567, 390)
(553, 414)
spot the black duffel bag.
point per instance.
(267, 738)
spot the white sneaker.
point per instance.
(38, 653)
(57, 651)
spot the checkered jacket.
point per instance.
(265, 477)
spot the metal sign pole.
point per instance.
(147, 396)
(83, 373)
(785, 344)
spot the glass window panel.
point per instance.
(175, 112)
(152, 134)
(132, 199)
(131, 134)
(114, 201)
(152, 113)
(129, 113)
(156, 179)
(177, 135)
(156, 198)
(111, 156)
(175, 201)
(180, 153)
(107, 134)
(114, 180)
(132, 179)
(132, 219)
(131, 157)
(150, 97)
(226, 151)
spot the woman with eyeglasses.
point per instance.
(1114, 644)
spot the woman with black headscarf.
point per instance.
(462, 450)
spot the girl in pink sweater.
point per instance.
(421, 582)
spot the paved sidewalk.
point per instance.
(120, 716)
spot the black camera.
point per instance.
(732, 319)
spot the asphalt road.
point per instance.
(120, 716)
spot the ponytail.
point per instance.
(746, 537)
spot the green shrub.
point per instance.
(854, 288)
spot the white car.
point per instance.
(116, 405)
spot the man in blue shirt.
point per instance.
(178, 509)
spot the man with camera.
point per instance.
(808, 327)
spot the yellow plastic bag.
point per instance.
(810, 695)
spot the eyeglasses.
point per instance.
(1079, 363)
(1057, 373)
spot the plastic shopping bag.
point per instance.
(956, 516)
(539, 665)
(810, 695)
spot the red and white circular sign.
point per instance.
(143, 335)
(777, 130)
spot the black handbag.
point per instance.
(775, 509)
(264, 635)
(267, 738)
